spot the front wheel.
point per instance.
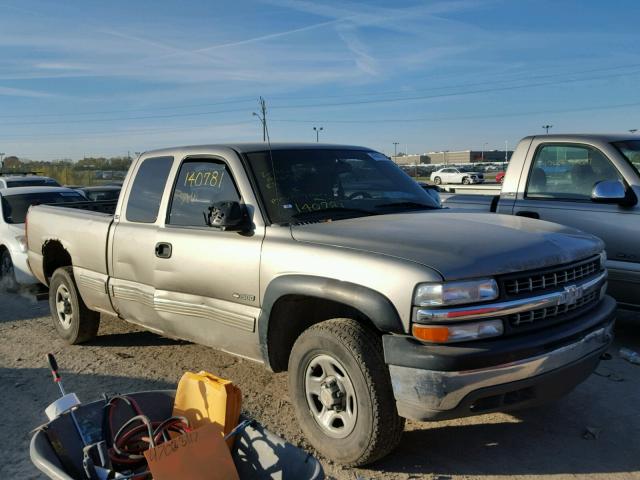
(437, 181)
(341, 392)
(7, 273)
(466, 181)
(71, 317)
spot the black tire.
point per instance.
(466, 181)
(7, 273)
(376, 428)
(437, 181)
(72, 319)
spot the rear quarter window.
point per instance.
(146, 193)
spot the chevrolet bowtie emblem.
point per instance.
(572, 294)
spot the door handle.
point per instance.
(525, 213)
(163, 250)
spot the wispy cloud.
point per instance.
(20, 92)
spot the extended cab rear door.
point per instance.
(207, 280)
(556, 186)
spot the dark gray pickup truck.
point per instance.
(589, 182)
(329, 262)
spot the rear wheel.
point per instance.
(341, 391)
(7, 273)
(71, 317)
(437, 181)
(466, 181)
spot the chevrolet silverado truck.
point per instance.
(589, 182)
(328, 261)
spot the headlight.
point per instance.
(455, 293)
(603, 260)
(22, 243)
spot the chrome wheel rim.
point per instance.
(64, 308)
(331, 396)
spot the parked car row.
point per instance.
(18, 192)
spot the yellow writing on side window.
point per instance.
(204, 178)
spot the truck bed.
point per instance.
(81, 228)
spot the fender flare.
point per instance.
(371, 303)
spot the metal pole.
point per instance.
(482, 155)
(395, 148)
(1, 161)
(506, 149)
(318, 130)
(547, 127)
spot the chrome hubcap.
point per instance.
(331, 396)
(63, 306)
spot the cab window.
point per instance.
(568, 172)
(199, 185)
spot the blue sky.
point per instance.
(103, 78)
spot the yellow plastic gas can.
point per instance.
(204, 398)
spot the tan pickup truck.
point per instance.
(331, 263)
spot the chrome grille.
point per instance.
(532, 316)
(551, 279)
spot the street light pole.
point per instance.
(506, 149)
(262, 116)
(318, 130)
(547, 127)
(1, 161)
(483, 145)
(395, 148)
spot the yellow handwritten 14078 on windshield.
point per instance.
(204, 178)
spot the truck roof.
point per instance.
(602, 137)
(254, 147)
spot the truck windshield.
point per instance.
(14, 207)
(322, 184)
(631, 150)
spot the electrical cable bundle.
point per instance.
(127, 446)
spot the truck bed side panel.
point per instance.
(83, 234)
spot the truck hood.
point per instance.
(458, 245)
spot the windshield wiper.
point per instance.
(416, 205)
(324, 211)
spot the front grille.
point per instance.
(548, 313)
(551, 279)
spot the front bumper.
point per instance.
(440, 382)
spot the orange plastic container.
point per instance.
(204, 398)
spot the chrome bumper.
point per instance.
(568, 295)
(441, 391)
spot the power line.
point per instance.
(321, 105)
(527, 76)
(462, 117)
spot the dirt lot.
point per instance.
(549, 442)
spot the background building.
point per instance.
(450, 157)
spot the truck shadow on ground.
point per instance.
(133, 339)
(541, 443)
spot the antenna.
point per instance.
(265, 137)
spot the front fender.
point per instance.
(374, 305)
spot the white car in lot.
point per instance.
(14, 203)
(456, 175)
(13, 181)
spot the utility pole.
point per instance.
(262, 116)
(318, 130)
(547, 127)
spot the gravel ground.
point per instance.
(547, 442)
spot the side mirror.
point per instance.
(230, 216)
(613, 191)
